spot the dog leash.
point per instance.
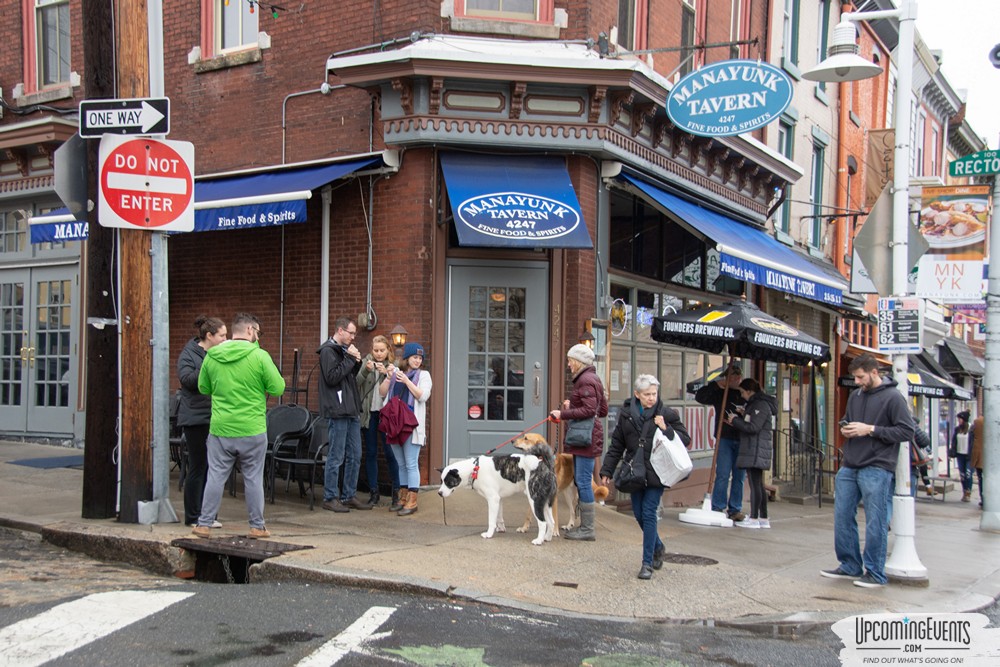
(548, 418)
(475, 468)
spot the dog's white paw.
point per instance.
(538, 542)
(569, 526)
(522, 529)
(487, 535)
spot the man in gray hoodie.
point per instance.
(876, 422)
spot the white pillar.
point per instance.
(903, 562)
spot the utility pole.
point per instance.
(100, 483)
(136, 287)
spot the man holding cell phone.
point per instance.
(877, 420)
(727, 496)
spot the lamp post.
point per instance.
(843, 65)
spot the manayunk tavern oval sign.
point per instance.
(729, 97)
(518, 216)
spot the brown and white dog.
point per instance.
(534, 443)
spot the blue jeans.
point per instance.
(345, 449)
(644, 507)
(964, 472)
(873, 486)
(583, 475)
(407, 456)
(372, 438)
(725, 465)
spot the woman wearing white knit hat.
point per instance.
(586, 401)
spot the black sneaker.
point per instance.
(645, 572)
(867, 581)
(658, 558)
(838, 574)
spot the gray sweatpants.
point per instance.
(222, 455)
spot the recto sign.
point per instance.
(729, 97)
(146, 184)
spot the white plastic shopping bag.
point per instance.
(670, 459)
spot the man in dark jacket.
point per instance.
(728, 445)
(876, 422)
(340, 403)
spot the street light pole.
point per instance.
(903, 563)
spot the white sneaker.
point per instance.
(748, 523)
(216, 524)
(763, 523)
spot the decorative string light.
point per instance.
(257, 3)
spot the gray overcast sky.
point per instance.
(965, 31)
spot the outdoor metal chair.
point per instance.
(178, 444)
(286, 424)
(311, 456)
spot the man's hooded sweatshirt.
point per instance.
(884, 408)
(239, 376)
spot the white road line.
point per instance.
(331, 652)
(67, 627)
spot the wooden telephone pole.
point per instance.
(136, 291)
(134, 318)
(100, 470)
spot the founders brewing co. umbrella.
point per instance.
(743, 330)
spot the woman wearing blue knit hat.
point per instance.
(412, 386)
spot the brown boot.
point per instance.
(398, 500)
(930, 490)
(411, 504)
(967, 496)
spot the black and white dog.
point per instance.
(498, 477)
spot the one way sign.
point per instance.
(124, 117)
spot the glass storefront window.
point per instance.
(671, 376)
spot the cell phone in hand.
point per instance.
(843, 422)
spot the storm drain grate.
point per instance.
(228, 559)
(685, 559)
(241, 547)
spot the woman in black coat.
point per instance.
(638, 419)
(756, 447)
(195, 412)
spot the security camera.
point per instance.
(995, 56)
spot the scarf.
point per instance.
(401, 391)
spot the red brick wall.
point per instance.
(221, 273)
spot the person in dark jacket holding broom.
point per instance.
(756, 447)
(638, 419)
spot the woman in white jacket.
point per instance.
(412, 385)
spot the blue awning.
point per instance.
(259, 199)
(513, 201)
(747, 253)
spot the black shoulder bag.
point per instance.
(630, 476)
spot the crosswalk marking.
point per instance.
(329, 653)
(67, 627)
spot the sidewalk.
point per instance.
(759, 577)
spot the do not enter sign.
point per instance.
(146, 184)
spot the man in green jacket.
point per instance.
(238, 375)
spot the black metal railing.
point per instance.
(807, 462)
